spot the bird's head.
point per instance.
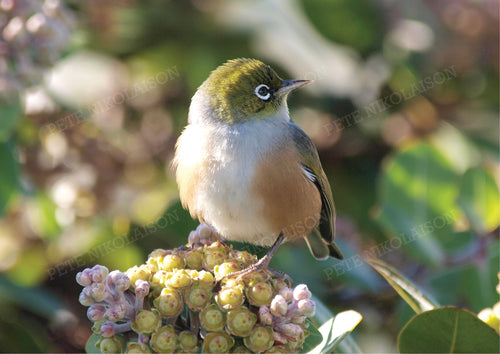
(245, 89)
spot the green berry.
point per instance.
(171, 262)
(230, 297)
(188, 342)
(146, 322)
(113, 344)
(260, 294)
(241, 349)
(225, 268)
(164, 340)
(217, 342)
(241, 321)
(205, 279)
(277, 349)
(244, 258)
(212, 318)
(260, 339)
(197, 297)
(137, 348)
(169, 303)
(143, 272)
(179, 279)
(194, 258)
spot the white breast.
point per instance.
(223, 195)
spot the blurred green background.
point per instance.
(404, 112)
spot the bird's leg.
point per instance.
(262, 263)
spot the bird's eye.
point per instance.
(262, 91)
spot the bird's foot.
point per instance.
(261, 265)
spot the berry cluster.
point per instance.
(185, 299)
(33, 34)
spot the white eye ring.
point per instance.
(262, 91)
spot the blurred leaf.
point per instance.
(417, 197)
(30, 268)
(10, 113)
(10, 175)
(447, 330)
(21, 338)
(90, 346)
(42, 214)
(480, 199)
(416, 298)
(122, 258)
(335, 329)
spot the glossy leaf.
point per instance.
(480, 199)
(90, 346)
(415, 297)
(10, 113)
(447, 330)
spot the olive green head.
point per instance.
(245, 89)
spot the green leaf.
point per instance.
(313, 338)
(334, 329)
(415, 297)
(480, 199)
(418, 188)
(90, 346)
(10, 113)
(447, 330)
(9, 185)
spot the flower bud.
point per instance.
(98, 291)
(287, 293)
(188, 342)
(241, 321)
(146, 322)
(212, 318)
(164, 340)
(217, 342)
(260, 339)
(194, 258)
(265, 316)
(197, 297)
(108, 329)
(299, 319)
(301, 292)
(95, 312)
(225, 268)
(306, 307)
(141, 288)
(99, 273)
(170, 262)
(279, 306)
(179, 279)
(84, 299)
(230, 297)
(115, 312)
(84, 278)
(112, 344)
(260, 294)
(119, 280)
(291, 329)
(137, 348)
(169, 303)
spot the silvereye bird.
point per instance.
(245, 168)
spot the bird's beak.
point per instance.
(290, 85)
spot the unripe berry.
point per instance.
(146, 322)
(217, 342)
(137, 348)
(194, 258)
(260, 339)
(171, 262)
(188, 342)
(205, 279)
(241, 321)
(197, 297)
(277, 349)
(169, 303)
(164, 340)
(225, 268)
(230, 297)
(113, 344)
(260, 294)
(180, 279)
(212, 318)
(135, 273)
